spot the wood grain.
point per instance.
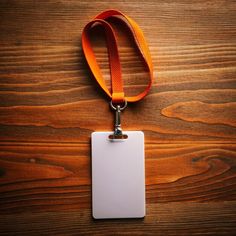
(49, 105)
(34, 176)
(162, 219)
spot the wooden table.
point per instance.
(50, 105)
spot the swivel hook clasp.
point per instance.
(118, 133)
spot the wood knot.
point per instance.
(32, 160)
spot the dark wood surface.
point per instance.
(49, 105)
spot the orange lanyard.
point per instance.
(117, 94)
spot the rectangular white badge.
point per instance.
(118, 176)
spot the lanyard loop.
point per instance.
(117, 94)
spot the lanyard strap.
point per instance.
(117, 94)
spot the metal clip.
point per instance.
(118, 133)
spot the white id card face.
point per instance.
(118, 176)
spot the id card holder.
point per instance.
(118, 176)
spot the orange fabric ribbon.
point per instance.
(117, 94)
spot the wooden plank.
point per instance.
(162, 219)
(164, 22)
(183, 115)
(42, 177)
